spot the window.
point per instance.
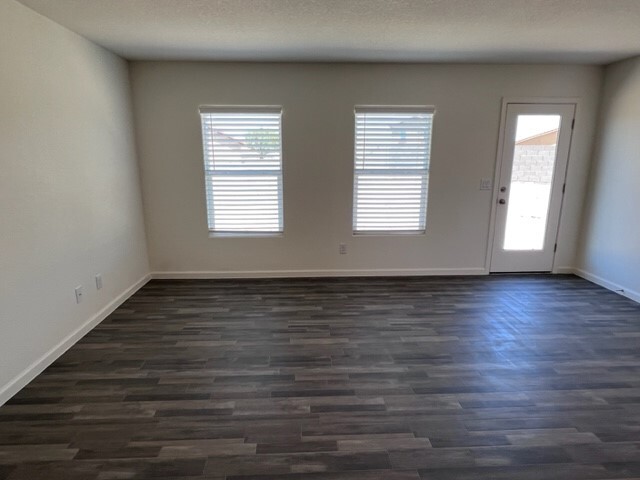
(243, 169)
(392, 150)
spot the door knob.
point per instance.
(502, 201)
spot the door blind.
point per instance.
(243, 169)
(392, 151)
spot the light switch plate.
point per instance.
(78, 291)
(486, 184)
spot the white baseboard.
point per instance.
(614, 287)
(317, 273)
(22, 379)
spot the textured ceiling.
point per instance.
(521, 31)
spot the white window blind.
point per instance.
(392, 151)
(243, 168)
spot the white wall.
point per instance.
(610, 253)
(318, 102)
(70, 204)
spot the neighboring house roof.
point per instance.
(544, 138)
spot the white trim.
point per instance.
(536, 100)
(317, 273)
(36, 368)
(256, 234)
(614, 287)
(369, 218)
(240, 109)
(426, 109)
(496, 184)
(263, 175)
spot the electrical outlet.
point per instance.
(486, 184)
(78, 294)
(98, 281)
(343, 249)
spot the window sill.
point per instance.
(245, 234)
(390, 234)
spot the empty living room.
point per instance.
(320, 239)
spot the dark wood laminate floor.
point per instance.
(508, 377)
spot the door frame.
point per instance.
(500, 159)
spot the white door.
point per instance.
(535, 152)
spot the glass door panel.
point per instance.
(534, 159)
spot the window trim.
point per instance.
(399, 109)
(257, 109)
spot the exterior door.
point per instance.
(537, 138)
